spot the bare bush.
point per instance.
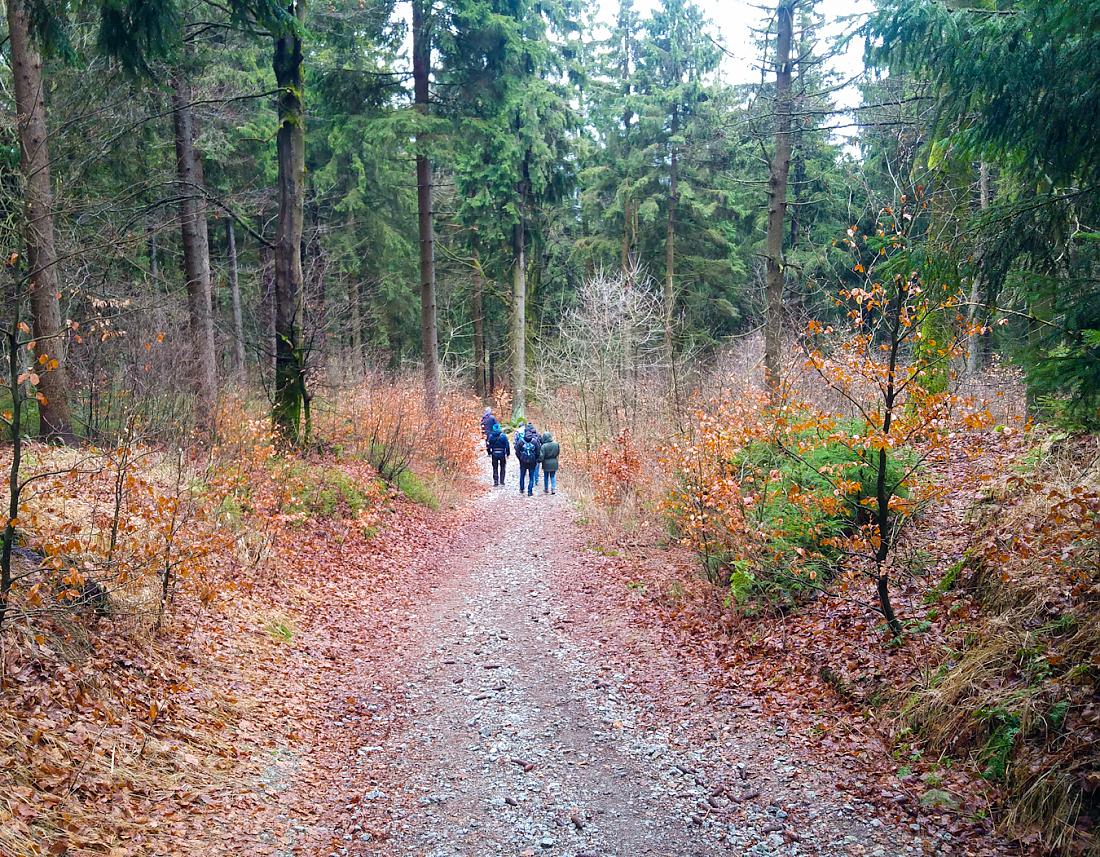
(609, 365)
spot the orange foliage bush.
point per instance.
(387, 424)
(614, 469)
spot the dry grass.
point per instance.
(1018, 697)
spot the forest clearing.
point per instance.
(550, 427)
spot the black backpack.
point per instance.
(528, 451)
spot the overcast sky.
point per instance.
(734, 22)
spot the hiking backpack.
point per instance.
(528, 452)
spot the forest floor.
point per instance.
(479, 683)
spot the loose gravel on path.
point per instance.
(514, 733)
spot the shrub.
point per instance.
(317, 490)
(769, 506)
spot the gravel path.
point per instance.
(516, 733)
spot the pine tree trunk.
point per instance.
(43, 281)
(429, 334)
(670, 245)
(235, 297)
(798, 105)
(477, 311)
(777, 204)
(519, 317)
(977, 345)
(196, 252)
(289, 393)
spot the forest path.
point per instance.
(526, 720)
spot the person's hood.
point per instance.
(495, 430)
(547, 437)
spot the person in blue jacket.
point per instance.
(528, 447)
(498, 448)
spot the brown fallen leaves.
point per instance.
(821, 672)
(219, 734)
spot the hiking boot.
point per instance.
(555, 491)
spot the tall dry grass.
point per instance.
(1018, 697)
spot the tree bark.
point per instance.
(289, 398)
(519, 316)
(355, 340)
(154, 265)
(429, 334)
(477, 311)
(977, 346)
(774, 273)
(670, 243)
(235, 297)
(43, 282)
(196, 252)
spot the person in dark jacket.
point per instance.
(487, 422)
(528, 447)
(548, 454)
(499, 449)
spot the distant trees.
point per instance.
(542, 157)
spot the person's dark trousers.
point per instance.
(500, 466)
(527, 470)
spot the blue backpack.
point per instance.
(528, 452)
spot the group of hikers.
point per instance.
(534, 451)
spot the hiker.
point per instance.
(548, 454)
(528, 446)
(499, 449)
(487, 423)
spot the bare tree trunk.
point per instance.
(774, 273)
(798, 106)
(320, 269)
(519, 317)
(196, 251)
(289, 398)
(356, 322)
(670, 244)
(154, 265)
(267, 309)
(977, 345)
(477, 311)
(235, 297)
(54, 421)
(429, 334)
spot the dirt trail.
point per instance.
(516, 728)
(517, 734)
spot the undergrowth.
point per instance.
(1017, 696)
(315, 490)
